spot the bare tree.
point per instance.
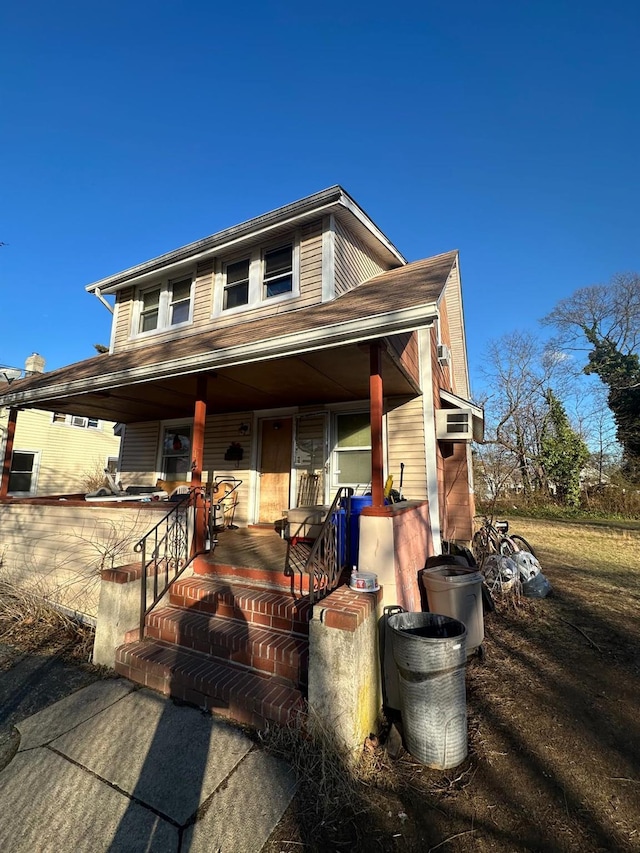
(604, 322)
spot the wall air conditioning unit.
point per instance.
(454, 424)
(444, 356)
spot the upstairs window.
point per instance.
(236, 289)
(149, 310)
(180, 304)
(164, 306)
(265, 274)
(278, 271)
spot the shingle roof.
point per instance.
(417, 283)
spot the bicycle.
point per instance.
(495, 539)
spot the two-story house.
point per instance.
(297, 347)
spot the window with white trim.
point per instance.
(236, 286)
(352, 449)
(176, 452)
(164, 306)
(277, 275)
(264, 275)
(23, 476)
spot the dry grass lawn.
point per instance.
(554, 726)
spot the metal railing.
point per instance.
(329, 553)
(168, 548)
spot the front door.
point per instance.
(275, 468)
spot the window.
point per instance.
(76, 421)
(163, 306)
(236, 289)
(352, 459)
(278, 271)
(180, 301)
(23, 476)
(149, 310)
(176, 452)
(264, 274)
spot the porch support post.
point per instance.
(376, 406)
(8, 450)
(199, 421)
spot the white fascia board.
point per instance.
(298, 343)
(359, 214)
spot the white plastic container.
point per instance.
(364, 581)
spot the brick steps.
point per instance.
(233, 600)
(275, 652)
(234, 649)
(240, 694)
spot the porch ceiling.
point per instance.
(323, 376)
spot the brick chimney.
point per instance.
(34, 364)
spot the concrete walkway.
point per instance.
(112, 768)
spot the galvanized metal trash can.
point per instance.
(429, 650)
(457, 592)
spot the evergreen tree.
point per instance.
(562, 452)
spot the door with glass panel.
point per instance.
(176, 453)
(310, 459)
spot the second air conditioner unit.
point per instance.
(454, 424)
(444, 356)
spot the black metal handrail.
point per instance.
(167, 549)
(329, 555)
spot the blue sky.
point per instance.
(508, 130)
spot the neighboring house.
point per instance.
(269, 327)
(56, 453)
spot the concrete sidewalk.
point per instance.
(112, 768)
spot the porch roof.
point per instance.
(301, 357)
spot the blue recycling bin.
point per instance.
(358, 503)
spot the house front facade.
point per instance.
(298, 357)
(275, 328)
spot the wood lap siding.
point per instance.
(453, 303)
(124, 307)
(139, 456)
(66, 547)
(310, 265)
(405, 348)
(458, 501)
(220, 432)
(70, 457)
(405, 443)
(354, 262)
(203, 293)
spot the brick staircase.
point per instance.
(230, 646)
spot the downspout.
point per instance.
(430, 444)
(99, 296)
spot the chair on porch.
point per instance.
(309, 487)
(224, 500)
